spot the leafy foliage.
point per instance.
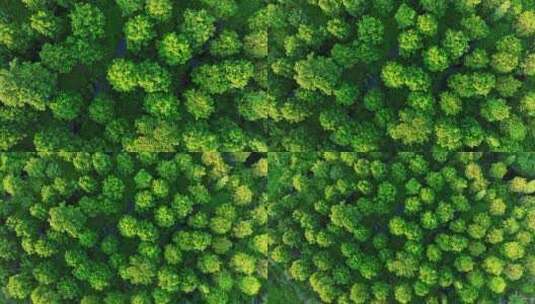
(404, 227)
(131, 75)
(318, 75)
(78, 227)
(470, 52)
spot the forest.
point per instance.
(267, 75)
(275, 228)
(404, 227)
(267, 151)
(132, 75)
(120, 228)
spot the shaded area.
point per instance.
(281, 289)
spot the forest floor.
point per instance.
(280, 289)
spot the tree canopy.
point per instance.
(131, 75)
(474, 53)
(404, 227)
(80, 227)
(267, 75)
(267, 151)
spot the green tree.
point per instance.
(87, 21)
(43, 295)
(370, 30)
(528, 65)
(19, 286)
(128, 226)
(238, 73)
(527, 104)
(101, 109)
(162, 105)
(504, 62)
(211, 79)
(406, 129)
(475, 26)
(128, 7)
(513, 250)
(14, 37)
(249, 285)
(455, 43)
(57, 57)
(46, 23)
(174, 49)
(256, 44)
(318, 73)
(258, 105)
(338, 28)
(478, 59)
(159, 9)
(243, 263)
(199, 104)
(67, 219)
(85, 51)
(403, 293)
(139, 31)
(497, 284)
(209, 263)
(359, 293)
(436, 59)
(346, 95)
(493, 265)
(495, 110)
(123, 75)
(405, 16)
(67, 105)
(470, 85)
(168, 280)
(393, 75)
(409, 42)
(222, 9)
(113, 187)
(198, 27)
(450, 103)
(427, 25)
(26, 83)
(226, 44)
(153, 78)
(525, 26)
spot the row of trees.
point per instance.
(77, 227)
(405, 227)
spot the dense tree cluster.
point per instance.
(133, 75)
(405, 227)
(78, 227)
(137, 136)
(286, 75)
(416, 75)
